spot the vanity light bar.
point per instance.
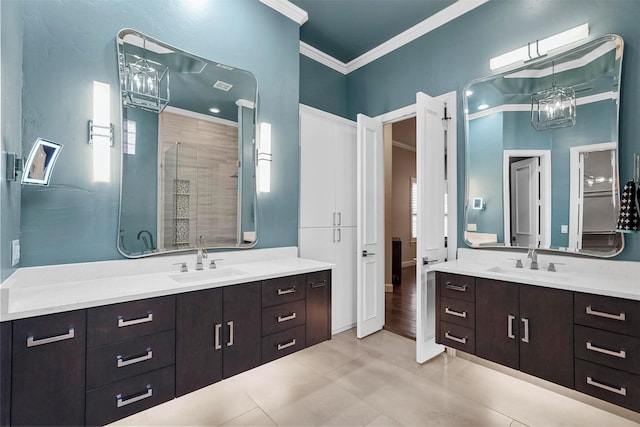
(540, 48)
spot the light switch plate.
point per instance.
(15, 252)
(564, 229)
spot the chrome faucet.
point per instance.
(200, 254)
(534, 258)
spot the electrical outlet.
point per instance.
(472, 227)
(564, 229)
(15, 252)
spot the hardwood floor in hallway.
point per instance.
(400, 305)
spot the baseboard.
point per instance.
(343, 328)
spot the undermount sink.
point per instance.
(527, 272)
(197, 276)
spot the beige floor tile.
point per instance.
(330, 355)
(255, 417)
(517, 424)
(382, 421)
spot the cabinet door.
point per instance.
(198, 340)
(345, 178)
(497, 335)
(318, 307)
(317, 170)
(48, 372)
(242, 328)
(343, 281)
(5, 373)
(546, 344)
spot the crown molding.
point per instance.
(445, 15)
(288, 9)
(323, 58)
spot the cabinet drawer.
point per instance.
(456, 311)
(612, 314)
(283, 316)
(608, 348)
(127, 397)
(283, 289)
(283, 343)
(457, 286)
(118, 322)
(457, 336)
(125, 359)
(618, 387)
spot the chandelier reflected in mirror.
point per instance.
(553, 108)
(145, 83)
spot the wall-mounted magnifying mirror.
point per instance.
(40, 163)
(541, 149)
(188, 150)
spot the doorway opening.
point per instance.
(400, 227)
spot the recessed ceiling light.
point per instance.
(214, 110)
(222, 85)
(483, 106)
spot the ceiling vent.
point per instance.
(223, 85)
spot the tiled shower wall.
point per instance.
(207, 155)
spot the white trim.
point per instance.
(403, 146)
(446, 15)
(288, 9)
(431, 23)
(343, 328)
(398, 115)
(323, 58)
(545, 187)
(604, 96)
(199, 116)
(324, 114)
(245, 103)
(410, 263)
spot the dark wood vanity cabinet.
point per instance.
(455, 314)
(607, 345)
(318, 306)
(48, 370)
(529, 328)
(218, 335)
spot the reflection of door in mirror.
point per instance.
(525, 202)
(200, 163)
(593, 215)
(527, 198)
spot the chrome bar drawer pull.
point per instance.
(593, 312)
(510, 326)
(32, 342)
(216, 338)
(622, 354)
(453, 287)
(320, 284)
(230, 324)
(130, 361)
(286, 291)
(526, 329)
(462, 340)
(287, 345)
(286, 318)
(621, 391)
(124, 323)
(124, 402)
(462, 314)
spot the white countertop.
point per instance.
(595, 276)
(43, 290)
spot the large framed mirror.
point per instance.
(188, 150)
(541, 153)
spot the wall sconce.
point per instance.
(539, 48)
(264, 158)
(101, 132)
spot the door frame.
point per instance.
(411, 111)
(545, 187)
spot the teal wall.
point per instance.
(322, 87)
(70, 44)
(447, 58)
(11, 127)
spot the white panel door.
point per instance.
(370, 226)
(317, 154)
(525, 188)
(345, 158)
(430, 157)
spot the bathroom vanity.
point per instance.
(578, 327)
(124, 343)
